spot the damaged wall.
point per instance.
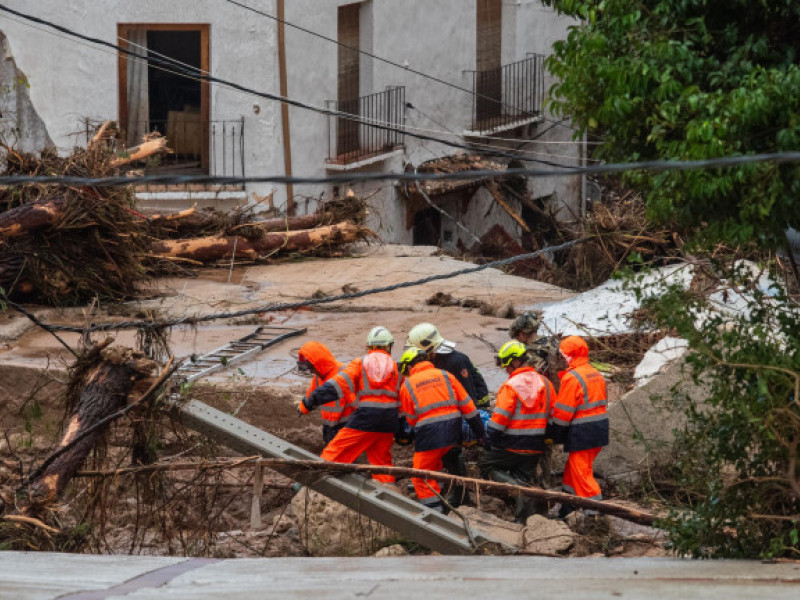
(244, 49)
(20, 124)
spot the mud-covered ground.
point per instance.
(199, 512)
(207, 511)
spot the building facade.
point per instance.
(465, 71)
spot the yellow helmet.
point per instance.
(411, 356)
(425, 336)
(509, 351)
(379, 337)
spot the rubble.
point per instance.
(547, 537)
(329, 529)
(66, 245)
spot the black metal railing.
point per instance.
(212, 147)
(510, 94)
(351, 140)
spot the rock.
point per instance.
(548, 537)
(642, 424)
(509, 534)
(633, 531)
(393, 550)
(328, 528)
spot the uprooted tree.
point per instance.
(699, 79)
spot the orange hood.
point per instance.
(575, 350)
(318, 355)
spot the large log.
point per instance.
(105, 392)
(225, 247)
(286, 223)
(25, 218)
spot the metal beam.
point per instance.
(366, 496)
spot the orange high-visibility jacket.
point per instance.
(433, 402)
(333, 413)
(519, 419)
(373, 380)
(579, 418)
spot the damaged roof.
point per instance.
(453, 164)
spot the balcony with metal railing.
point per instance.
(355, 142)
(507, 97)
(198, 147)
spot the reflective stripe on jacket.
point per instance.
(579, 417)
(519, 420)
(338, 411)
(434, 402)
(374, 382)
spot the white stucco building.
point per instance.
(491, 49)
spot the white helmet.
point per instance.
(379, 336)
(426, 337)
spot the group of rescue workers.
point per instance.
(437, 399)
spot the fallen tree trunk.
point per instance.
(285, 466)
(285, 223)
(213, 248)
(32, 216)
(105, 392)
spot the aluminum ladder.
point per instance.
(235, 351)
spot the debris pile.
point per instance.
(63, 245)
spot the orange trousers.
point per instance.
(430, 460)
(349, 444)
(579, 477)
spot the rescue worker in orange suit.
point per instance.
(374, 382)
(516, 435)
(579, 420)
(316, 359)
(443, 355)
(434, 402)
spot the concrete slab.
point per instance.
(41, 575)
(28, 576)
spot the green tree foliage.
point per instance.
(687, 80)
(738, 456)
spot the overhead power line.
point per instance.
(405, 68)
(653, 165)
(194, 73)
(303, 303)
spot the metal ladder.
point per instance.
(235, 351)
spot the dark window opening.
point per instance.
(427, 227)
(169, 91)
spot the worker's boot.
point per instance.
(454, 463)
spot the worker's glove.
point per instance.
(548, 441)
(484, 403)
(301, 408)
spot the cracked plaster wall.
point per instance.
(20, 124)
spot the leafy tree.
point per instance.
(737, 458)
(688, 80)
(699, 79)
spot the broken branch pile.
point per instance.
(63, 245)
(617, 226)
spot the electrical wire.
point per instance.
(307, 302)
(653, 165)
(406, 68)
(193, 73)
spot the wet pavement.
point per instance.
(40, 576)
